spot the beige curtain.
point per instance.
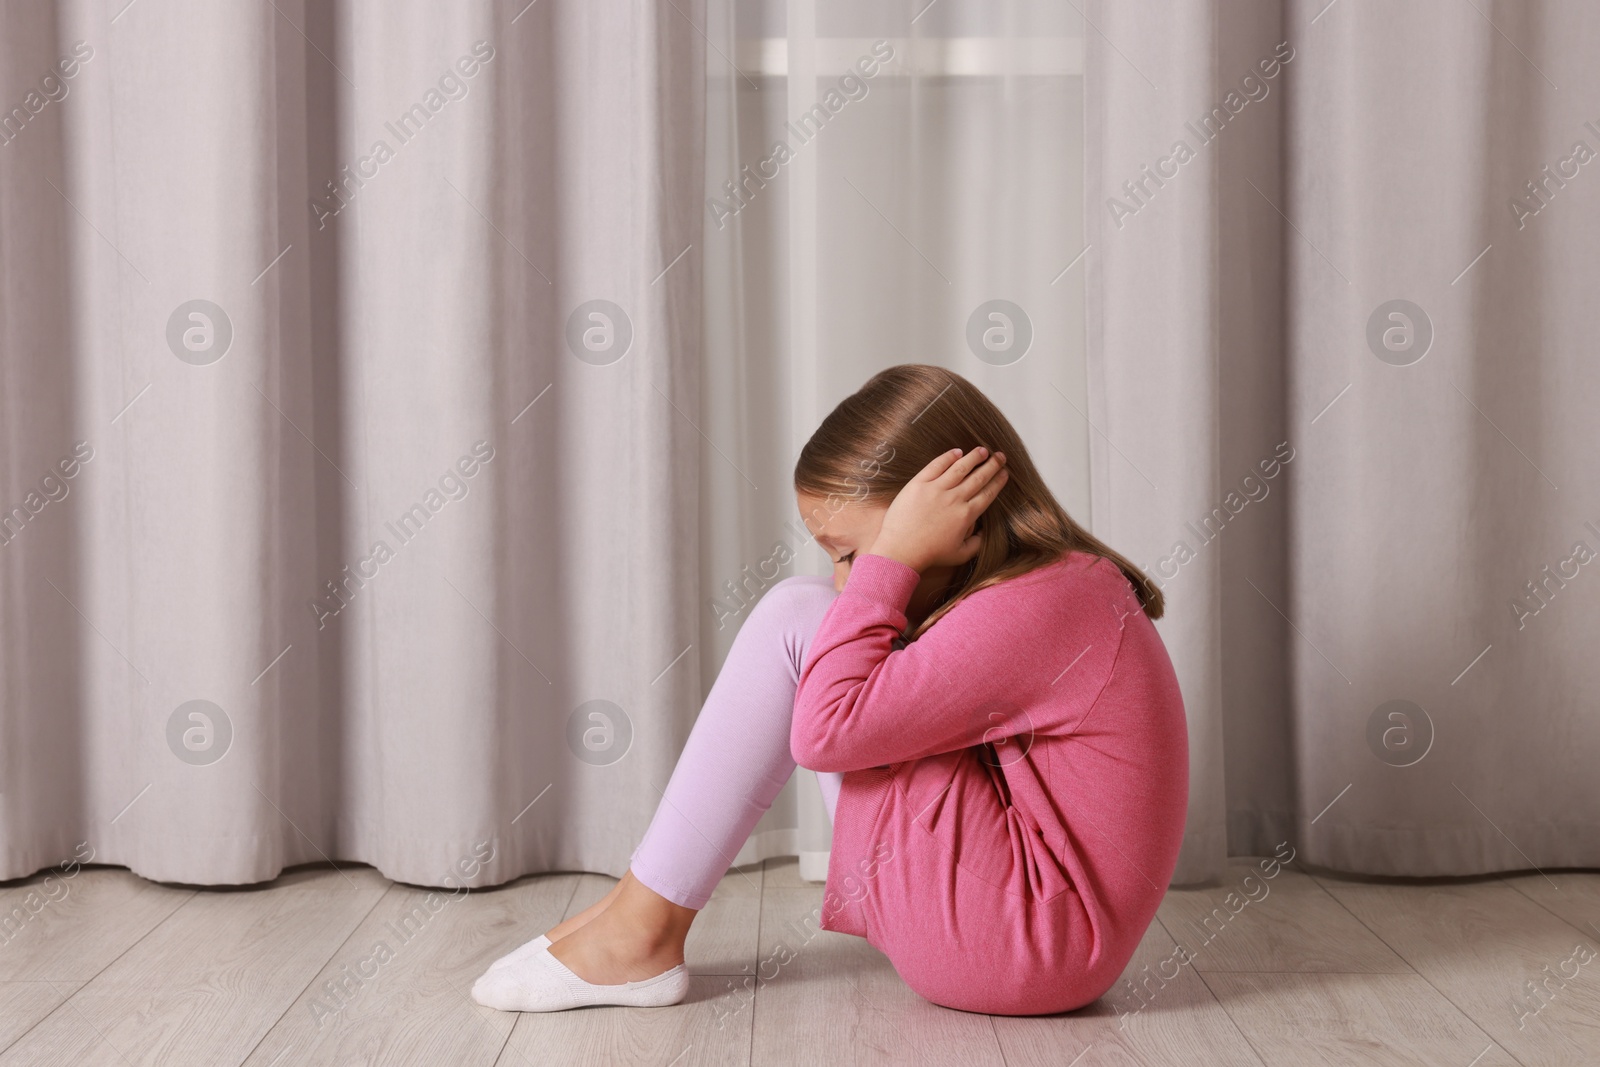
(382, 496)
(398, 418)
(350, 373)
(1341, 354)
(394, 426)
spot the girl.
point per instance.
(993, 718)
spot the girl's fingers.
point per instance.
(985, 496)
(940, 464)
(961, 468)
(982, 476)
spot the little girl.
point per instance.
(993, 718)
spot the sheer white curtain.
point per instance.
(887, 182)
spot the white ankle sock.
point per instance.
(521, 952)
(540, 982)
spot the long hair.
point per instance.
(881, 436)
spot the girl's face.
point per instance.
(843, 532)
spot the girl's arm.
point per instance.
(995, 666)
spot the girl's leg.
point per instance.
(828, 781)
(737, 757)
(736, 760)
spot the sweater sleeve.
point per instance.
(861, 702)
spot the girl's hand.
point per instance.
(930, 522)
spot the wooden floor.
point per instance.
(1299, 970)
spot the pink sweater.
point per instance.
(1016, 780)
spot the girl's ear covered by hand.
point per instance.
(933, 520)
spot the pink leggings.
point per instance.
(737, 757)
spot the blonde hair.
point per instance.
(902, 418)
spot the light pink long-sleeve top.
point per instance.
(1016, 780)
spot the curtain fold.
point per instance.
(364, 333)
(1339, 340)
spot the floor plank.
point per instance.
(210, 980)
(690, 1033)
(106, 968)
(590, 888)
(1160, 1013)
(24, 1004)
(1284, 923)
(398, 990)
(1483, 944)
(78, 925)
(725, 938)
(825, 998)
(1573, 896)
(783, 872)
(1369, 1020)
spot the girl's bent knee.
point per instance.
(800, 599)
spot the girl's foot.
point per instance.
(630, 952)
(543, 983)
(555, 933)
(614, 948)
(562, 929)
(520, 953)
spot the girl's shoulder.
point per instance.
(1074, 565)
(1075, 579)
